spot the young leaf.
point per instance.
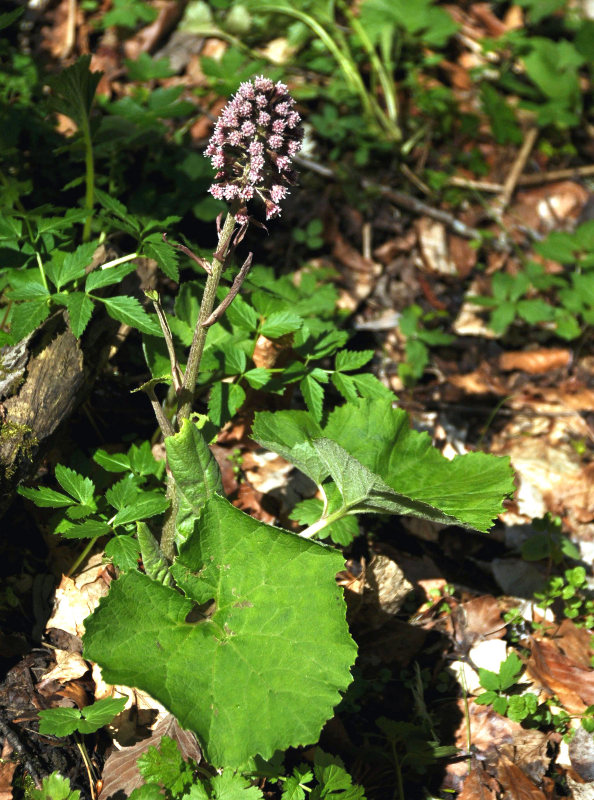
(347, 360)
(45, 498)
(257, 377)
(346, 386)
(195, 472)
(510, 671)
(74, 89)
(123, 552)
(242, 315)
(73, 265)
(147, 505)
(129, 311)
(165, 256)
(167, 767)
(101, 713)
(91, 529)
(154, 562)
(123, 493)
(112, 462)
(281, 323)
(26, 317)
(114, 206)
(220, 673)
(142, 460)
(313, 394)
(58, 721)
(54, 787)
(489, 680)
(231, 786)
(81, 488)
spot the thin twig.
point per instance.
(479, 186)
(556, 175)
(233, 292)
(511, 181)
(419, 207)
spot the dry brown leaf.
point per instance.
(120, 773)
(483, 12)
(575, 643)
(147, 39)
(479, 785)
(359, 273)
(69, 666)
(543, 208)
(560, 676)
(462, 254)
(7, 769)
(384, 593)
(518, 785)
(491, 734)
(535, 361)
(76, 598)
(477, 620)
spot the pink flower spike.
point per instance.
(254, 140)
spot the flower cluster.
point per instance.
(254, 140)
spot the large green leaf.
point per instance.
(195, 473)
(384, 465)
(264, 664)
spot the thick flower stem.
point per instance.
(186, 395)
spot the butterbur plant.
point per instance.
(239, 627)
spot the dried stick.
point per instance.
(511, 181)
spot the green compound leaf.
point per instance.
(45, 498)
(106, 277)
(90, 529)
(262, 668)
(72, 266)
(58, 721)
(112, 462)
(195, 472)
(380, 464)
(347, 360)
(81, 488)
(80, 311)
(146, 505)
(101, 713)
(123, 551)
(27, 316)
(129, 311)
(54, 787)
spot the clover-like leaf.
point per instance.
(254, 657)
